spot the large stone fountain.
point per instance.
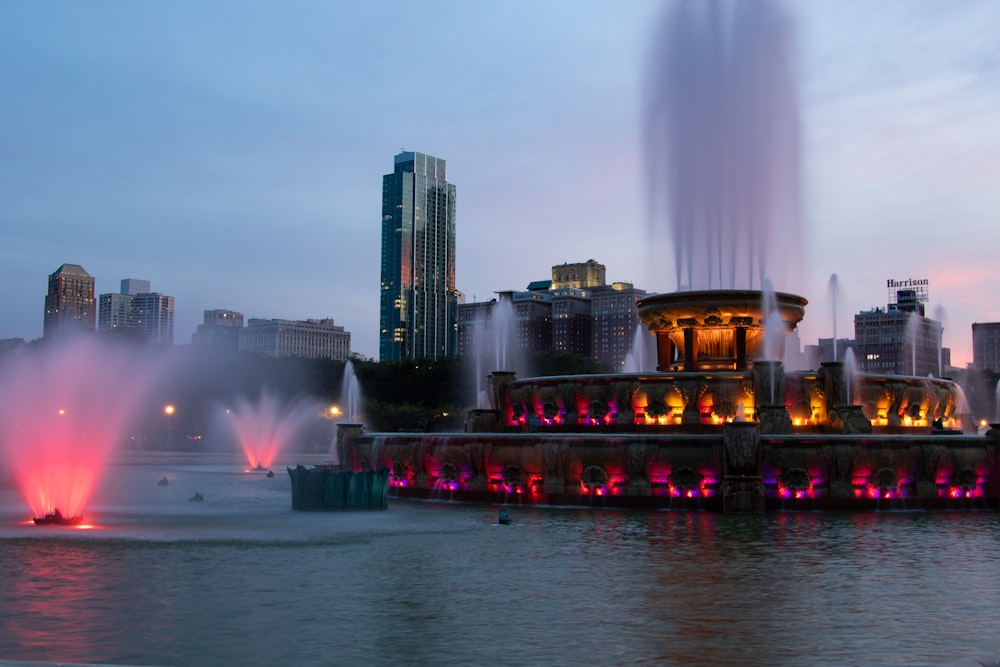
(719, 425)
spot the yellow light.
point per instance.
(168, 409)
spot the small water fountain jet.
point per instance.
(504, 333)
(641, 357)
(996, 399)
(910, 335)
(834, 288)
(64, 409)
(350, 395)
(941, 317)
(263, 427)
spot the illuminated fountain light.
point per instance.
(65, 407)
(265, 426)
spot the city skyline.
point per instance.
(230, 153)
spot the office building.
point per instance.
(900, 340)
(580, 275)
(615, 321)
(137, 310)
(574, 312)
(311, 339)
(219, 327)
(986, 346)
(69, 303)
(418, 300)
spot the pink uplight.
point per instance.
(64, 408)
(263, 428)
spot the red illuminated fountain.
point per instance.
(64, 408)
(265, 426)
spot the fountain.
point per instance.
(64, 409)
(719, 424)
(641, 355)
(834, 288)
(350, 394)
(263, 427)
(335, 486)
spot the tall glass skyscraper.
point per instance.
(418, 298)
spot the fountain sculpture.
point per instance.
(719, 424)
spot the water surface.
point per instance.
(242, 579)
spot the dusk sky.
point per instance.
(232, 152)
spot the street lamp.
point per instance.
(168, 410)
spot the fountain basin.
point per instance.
(693, 471)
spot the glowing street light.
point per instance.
(169, 410)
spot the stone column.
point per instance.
(348, 456)
(665, 351)
(741, 348)
(690, 350)
(834, 386)
(769, 397)
(498, 382)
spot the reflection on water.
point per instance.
(241, 579)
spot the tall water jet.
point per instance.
(722, 131)
(910, 335)
(834, 287)
(263, 427)
(64, 409)
(850, 376)
(494, 346)
(941, 317)
(350, 394)
(996, 399)
(503, 333)
(641, 357)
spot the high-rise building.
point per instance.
(418, 296)
(133, 286)
(69, 303)
(986, 346)
(574, 312)
(899, 340)
(154, 316)
(615, 320)
(135, 308)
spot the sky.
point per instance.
(231, 152)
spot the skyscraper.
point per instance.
(136, 308)
(69, 303)
(418, 296)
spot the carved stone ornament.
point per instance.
(741, 446)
